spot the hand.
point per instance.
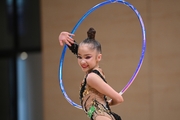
(66, 37)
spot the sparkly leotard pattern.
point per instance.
(94, 103)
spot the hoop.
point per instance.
(74, 30)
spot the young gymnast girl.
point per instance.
(94, 88)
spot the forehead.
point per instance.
(85, 49)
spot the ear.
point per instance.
(99, 56)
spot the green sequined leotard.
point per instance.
(94, 103)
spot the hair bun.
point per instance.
(91, 33)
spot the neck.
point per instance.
(97, 67)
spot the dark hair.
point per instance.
(91, 40)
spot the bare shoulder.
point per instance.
(93, 76)
(95, 81)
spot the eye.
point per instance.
(79, 57)
(88, 57)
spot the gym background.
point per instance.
(30, 54)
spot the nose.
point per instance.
(83, 61)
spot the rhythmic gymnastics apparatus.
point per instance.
(94, 88)
(99, 108)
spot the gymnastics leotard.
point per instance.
(93, 102)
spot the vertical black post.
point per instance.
(13, 89)
(13, 79)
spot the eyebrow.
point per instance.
(85, 54)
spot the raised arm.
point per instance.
(66, 38)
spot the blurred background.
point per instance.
(30, 54)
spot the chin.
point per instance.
(85, 70)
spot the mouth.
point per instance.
(84, 66)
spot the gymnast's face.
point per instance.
(88, 58)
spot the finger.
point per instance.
(61, 43)
(70, 40)
(70, 34)
(68, 43)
